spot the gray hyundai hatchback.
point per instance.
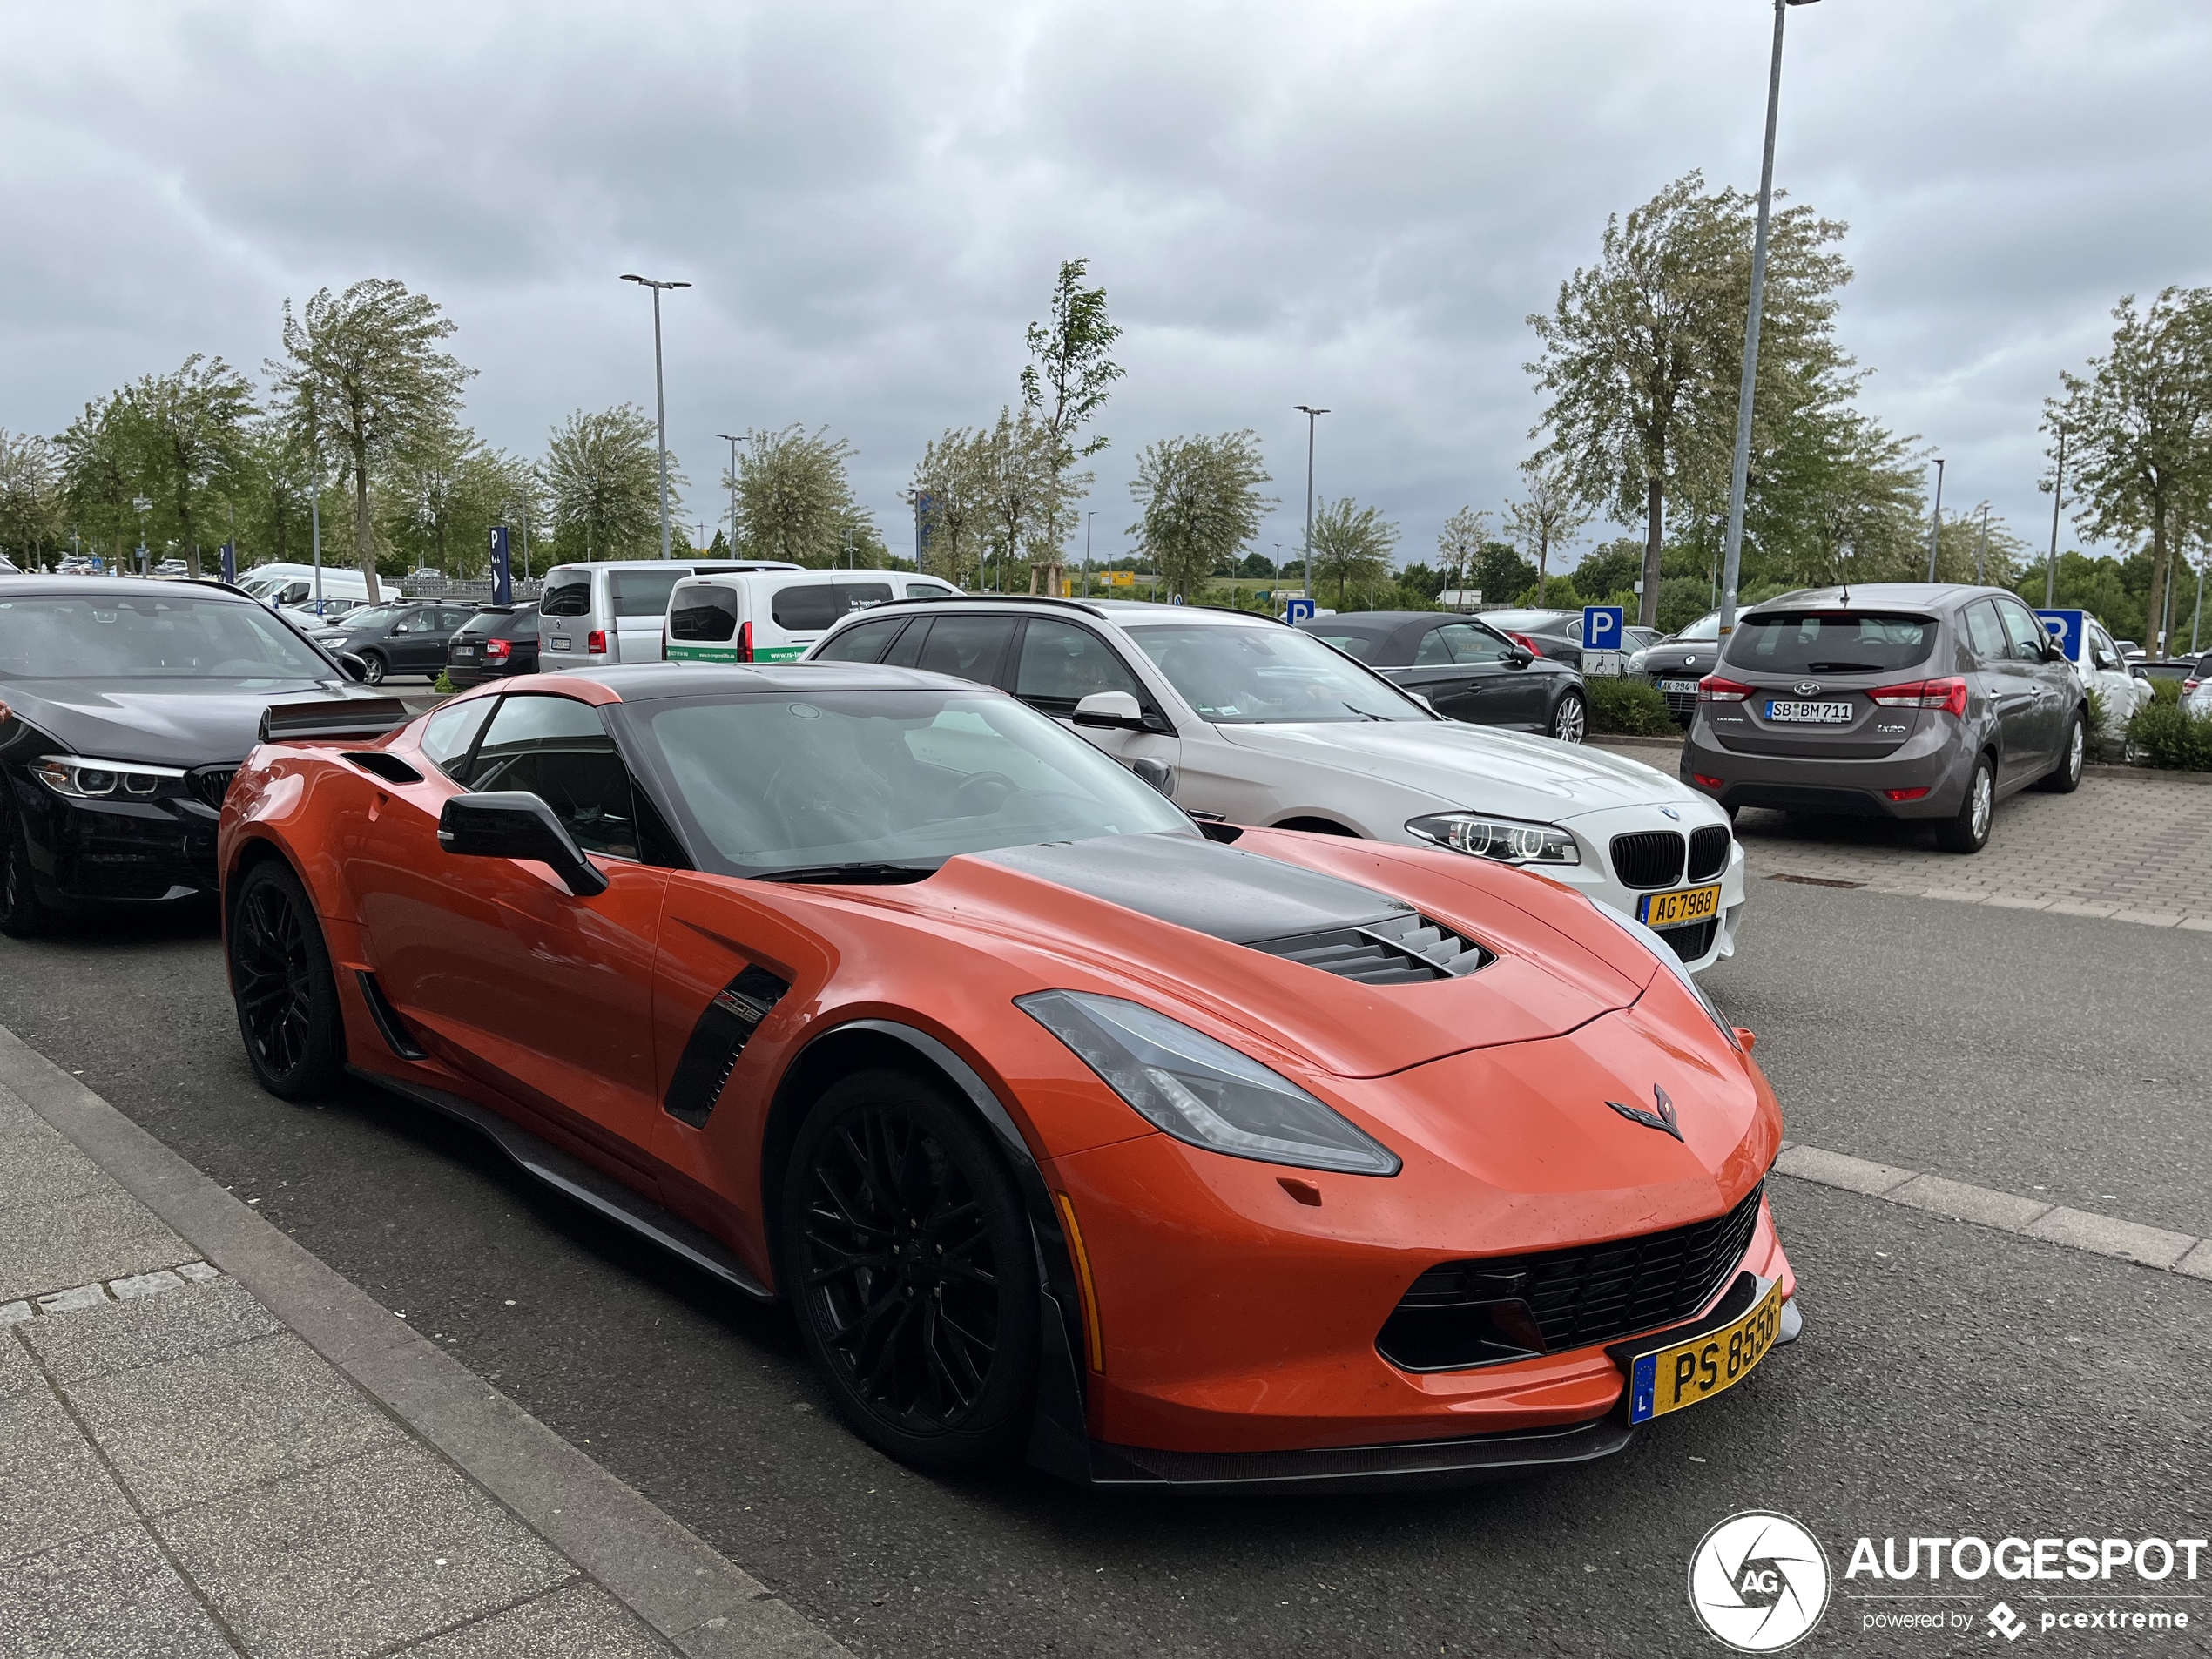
(1905, 700)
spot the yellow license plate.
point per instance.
(1683, 905)
(1669, 1379)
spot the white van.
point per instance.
(774, 615)
(610, 610)
(292, 587)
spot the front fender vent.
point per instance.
(717, 1040)
(1399, 950)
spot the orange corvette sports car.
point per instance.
(1161, 1154)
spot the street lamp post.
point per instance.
(660, 395)
(1740, 471)
(1981, 548)
(1088, 516)
(2058, 490)
(731, 438)
(1935, 529)
(1305, 577)
(143, 505)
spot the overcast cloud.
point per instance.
(1350, 204)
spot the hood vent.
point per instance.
(1402, 950)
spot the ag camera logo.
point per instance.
(1758, 1581)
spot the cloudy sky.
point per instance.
(1352, 205)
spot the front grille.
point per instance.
(1402, 950)
(1648, 858)
(1576, 1298)
(1692, 940)
(210, 784)
(1708, 852)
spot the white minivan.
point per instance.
(773, 617)
(610, 610)
(292, 587)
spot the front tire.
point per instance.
(2065, 777)
(281, 981)
(373, 667)
(1571, 720)
(24, 915)
(1969, 831)
(907, 1258)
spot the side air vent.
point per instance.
(386, 766)
(1401, 950)
(389, 1026)
(717, 1040)
(1708, 852)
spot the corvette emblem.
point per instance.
(1663, 1119)
(1808, 688)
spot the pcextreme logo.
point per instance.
(1758, 1581)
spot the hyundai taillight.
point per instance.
(1703, 782)
(596, 642)
(1948, 693)
(1526, 643)
(745, 643)
(497, 648)
(1714, 689)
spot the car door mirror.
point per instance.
(355, 665)
(514, 824)
(1117, 710)
(1157, 773)
(1518, 657)
(1423, 701)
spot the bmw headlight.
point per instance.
(1509, 840)
(83, 779)
(1204, 1093)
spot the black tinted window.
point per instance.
(1062, 664)
(1362, 646)
(567, 594)
(559, 749)
(862, 643)
(972, 647)
(525, 625)
(1984, 633)
(806, 608)
(858, 595)
(706, 613)
(643, 593)
(1829, 641)
(136, 635)
(2026, 633)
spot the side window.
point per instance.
(524, 626)
(1983, 632)
(905, 651)
(450, 731)
(706, 614)
(643, 593)
(930, 590)
(805, 607)
(451, 621)
(1574, 631)
(2025, 631)
(1434, 651)
(559, 749)
(1062, 664)
(863, 643)
(972, 647)
(1471, 643)
(858, 595)
(2101, 653)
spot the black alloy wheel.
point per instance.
(280, 979)
(908, 1259)
(23, 913)
(1571, 720)
(2065, 777)
(373, 667)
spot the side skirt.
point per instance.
(590, 1187)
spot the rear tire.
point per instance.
(1969, 831)
(281, 983)
(373, 667)
(907, 1258)
(2065, 777)
(24, 915)
(1571, 720)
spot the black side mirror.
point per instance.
(514, 824)
(355, 665)
(1520, 657)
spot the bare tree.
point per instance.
(1550, 513)
(1460, 545)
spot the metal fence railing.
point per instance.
(474, 591)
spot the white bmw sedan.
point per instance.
(1240, 718)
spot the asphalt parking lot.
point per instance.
(1951, 1379)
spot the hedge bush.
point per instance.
(1629, 708)
(2162, 734)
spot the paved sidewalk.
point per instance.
(182, 1472)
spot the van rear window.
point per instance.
(567, 595)
(704, 614)
(1830, 642)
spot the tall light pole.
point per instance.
(2058, 490)
(731, 438)
(1305, 580)
(660, 395)
(1088, 516)
(1981, 548)
(1935, 529)
(1740, 473)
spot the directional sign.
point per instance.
(1298, 610)
(230, 560)
(1602, 626)
(2065, 627)
(502, 580)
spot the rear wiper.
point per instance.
(858, 874)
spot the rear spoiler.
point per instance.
(353, 717)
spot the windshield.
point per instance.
(1829, 641)
(1705, 629)
(140, 636)
(1268, 676)
(774, 781)
(369, 616)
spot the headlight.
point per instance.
(83, 779)
(1673, 964)
(1507, 839)
(1635, 660)
(1201, 1091)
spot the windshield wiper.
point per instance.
(870, 874)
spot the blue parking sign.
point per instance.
(1298, 610)
(2064, 627)
(1602, 626)
(502, 581)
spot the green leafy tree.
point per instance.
(795, 498)
(601, 479)
(189, 433)
(365, 372)
(1548, 516)
(1351, 546)
(1021, 486)
(1459, 549)
(2140, 432)
(1501, 575)
(1070, 375)
(953, 489)
(30, 496)
(99, 476)
(1201, 504)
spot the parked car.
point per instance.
(8, 566)
(1063, 1132)
(2197, 690)
(80, 565)
(1674, 664)
(1554, 634)
(614, 611)
(2101, 666)
(409, 637)
(1241, 719)
(1465, 668)
(497, 643)
(1909, 699)
(125, 705)
(287, 586)
(172, 568)
(774, 615)
(2173, 668)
